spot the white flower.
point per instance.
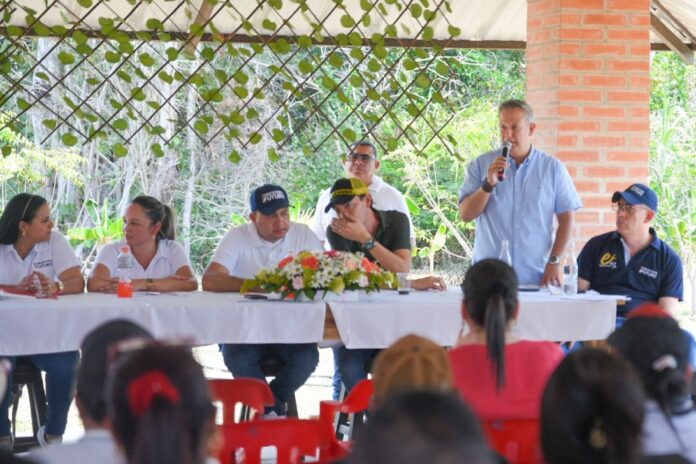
(363, 281)
(298, 282)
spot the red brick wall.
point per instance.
(588, 80)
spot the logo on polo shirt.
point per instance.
(648, 272)
(270, 196)
(45, 264)
(608, 260)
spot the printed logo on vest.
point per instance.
(45, 264)
(648, 272)
(608, 260)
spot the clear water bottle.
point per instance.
(124, 264)
(570, 272)
(36, 285)
(505, 253)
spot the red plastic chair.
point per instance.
(518, 440)
(253, 394)
(358, 400)
(292, 438)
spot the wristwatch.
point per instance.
(370, 244)
(554, 260)
(149, 285)
(487, 187)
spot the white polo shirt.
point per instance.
(169, 258)
(50, 258)
(384, 197)
(244, 253)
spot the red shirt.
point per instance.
(528, 366)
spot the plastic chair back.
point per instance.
(357, 401)
(517, 440)
(253, 394)
(292, 438)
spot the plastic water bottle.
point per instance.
(124, 264)
(570, 272)
(36, 285)
(505, 253)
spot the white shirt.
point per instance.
(384, 197)
(243, 252)
(96, 446)
(170, 257)
(50, 258)
(660, 439)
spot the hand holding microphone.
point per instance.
(506, 153)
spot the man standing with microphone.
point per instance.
(517, 197)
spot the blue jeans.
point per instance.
(352, 365)
(60, 371)
(300, 361)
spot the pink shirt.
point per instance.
(528, 366)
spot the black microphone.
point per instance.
(506, 152)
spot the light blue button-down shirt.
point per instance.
(521, 210)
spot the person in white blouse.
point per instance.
(242, 252)
(35, 259)
(159, 263)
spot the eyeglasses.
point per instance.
(626, 208)
(355, 157)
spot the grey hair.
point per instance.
(518, 104)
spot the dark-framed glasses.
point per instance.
(363, 158)
(625, 207)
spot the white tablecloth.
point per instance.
(437, 315)
(47, 326)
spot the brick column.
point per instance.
(588, 80)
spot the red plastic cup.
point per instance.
(125, 290)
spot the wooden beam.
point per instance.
(671, 39)
(202, 18)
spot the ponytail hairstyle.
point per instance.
(658, 349)
(592, 411)
(160, 406)
(22, 207)
(490, 295)
(158, 212)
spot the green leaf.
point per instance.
(252, 114)
(355, 80)
(68, 139)
(355, 39)
(137, 94)
(304, 41)
(373, 95)
(428, 33)
(392, 143)
(50, 123)
(124, 76)
(366, 20)
(157, 150)
(6, 151)
(366, 5)
(273, 155)
(22, 104)
(241, 77)
(154, 24)
(380, 51)
(234, 156)
(349, 134)
(269, 25)
(277, 135)
(165, 77)
(357, 54)
(112, 57)
(158, 130)
(146, 59)
(390, 31)
(208, 54)
(119, 150)
(416, 10)
(328, 82)
(412, 206)
(84, 49)
(454, 31)
(66, 58)
(276, 4)
(305, 67)
(120, 124)
(347, 21)
(373, 65)
(201, 126)
(241, 92)
(84, 3)
(410, 64)
(255, 138)
(13, 31)
(423, 81)
(172, 53)
(336, 60)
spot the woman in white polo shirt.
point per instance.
(33, 255)
(159, 263)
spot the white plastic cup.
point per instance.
(404, 283)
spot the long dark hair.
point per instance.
(592, 410)
(22, 207)
(167, 420)
(158, 212)
(659, 351)
(490, 295)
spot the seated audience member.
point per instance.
(416, 427)
(159, 263)
(160, 406)
(241, 254)
(652, 342)
(632, 260)
(497, 374)
(592, 411)
(411, 363)
(35, 258)
(6, 456)
(96, 446)
(383, 236)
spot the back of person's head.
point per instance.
(158, 212)
(91, 374)
(420, 426)
(412, 362)
(160, 406)
(592, 411)
(21, 207)
(490, 296)
(659, 351)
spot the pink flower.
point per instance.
(350, 264)
(363, 281)
(298, 282)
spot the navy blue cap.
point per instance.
(268, 198)
(637, 194)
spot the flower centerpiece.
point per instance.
(310, 273)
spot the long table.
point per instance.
(52, 325)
